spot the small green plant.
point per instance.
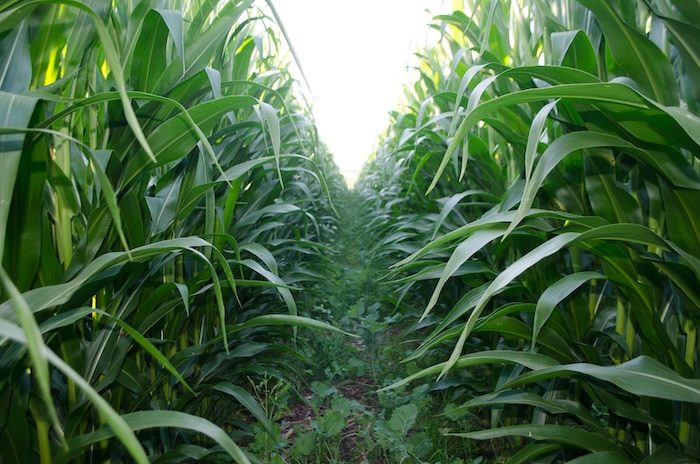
(272, 395)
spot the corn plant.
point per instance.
(162, 194)
(537, 197)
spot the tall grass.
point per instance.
(538, 196)
(162, 194)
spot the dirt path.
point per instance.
(341, 405)
(339, 417)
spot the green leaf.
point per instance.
(643, 376)
(241, 169)
(594, 93)
(247, 400)
(403, 418)
(675, 170)
(18, 111)
(574, 49)
(548, 248)
(115, 67)
(304, 444)
(200, 50)
(451, 203)
(148, 58)
(117, 425)
(43, 298)
(142, 420)
(665, 454)
(569, 436)
(639, 56)
(284, 320)
(174, 138)
(268, 114)
(491, 218)
(531, 451)
(331, 423)
(461, 255)
(35, 346)
(173, 19)
(16, 64)
(607, 197)
(148, 346)
(602, 457)
(555, 294)
(554, 406)
(529, 360)
(533, 139)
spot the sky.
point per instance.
(355, 56)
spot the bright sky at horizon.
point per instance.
(355, 56)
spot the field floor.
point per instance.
(339, 415)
